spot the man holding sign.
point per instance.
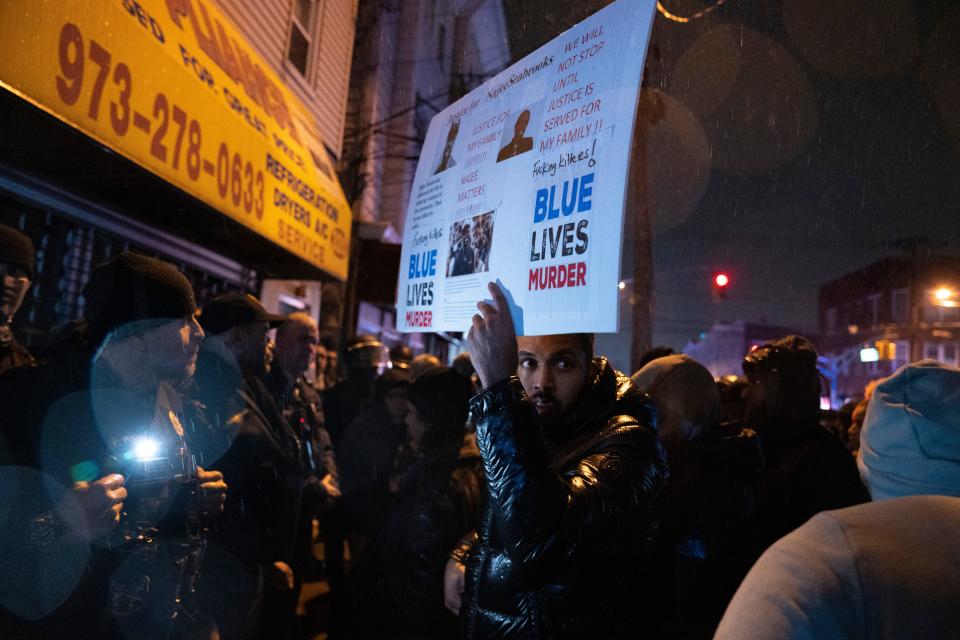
(572, 467)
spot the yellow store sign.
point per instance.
(174, 87)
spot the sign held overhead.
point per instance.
(523, 181)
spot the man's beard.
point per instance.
(552, 416)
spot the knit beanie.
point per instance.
(17, 249)
(132, 287)
(910, 442)
(440, 396)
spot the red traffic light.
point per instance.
(721, 280)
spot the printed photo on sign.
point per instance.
(446, 156)
(470, 242)
(517, 135)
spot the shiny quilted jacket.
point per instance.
(563, 546)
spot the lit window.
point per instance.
(301, 34)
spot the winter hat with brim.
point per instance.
(910, 442)
(231, 310)
(131, 288)
(16, 249)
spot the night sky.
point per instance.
(798, 140)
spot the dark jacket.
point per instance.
(808, 470)
(367, 456)
(401, 574)
(706, 540)
(302, 409)
(562, 549)
(261, 466)
(14, 355)
(343, 403)
(77, 422)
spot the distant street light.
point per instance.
(943, 294)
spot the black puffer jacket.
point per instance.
(562, 549)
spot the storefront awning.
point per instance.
(173, 87)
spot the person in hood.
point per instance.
(886, 569)
(704, 546)
(808, 469)
(572, 467)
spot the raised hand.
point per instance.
(492, 340)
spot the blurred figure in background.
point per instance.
(366, 359)
(332, 374)
(887, 569)
(704, 540)
(401, 356)
(368, 456)
(856, 424)
(401, 574)
(464, 366)
(320, 368)
(840, 424)
(733, 407)
(423, 363)
(299, 402)
(808, 470)
(262, 465)
(17, 263)
(652, 354)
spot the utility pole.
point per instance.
(638, 212)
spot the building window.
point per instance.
(949, 354)
(301, 34)
(831, 321)
(931, 350)
(898, 308)
(874, 303)
(901, 354)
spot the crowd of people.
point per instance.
(162, 477)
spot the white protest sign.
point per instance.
(523, 181)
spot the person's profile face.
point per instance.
(553, 371)
(252, 354)
(298, 347)
(761, 397)
(16, 283)
(415, 426)
(396, 402)
(170, 349)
